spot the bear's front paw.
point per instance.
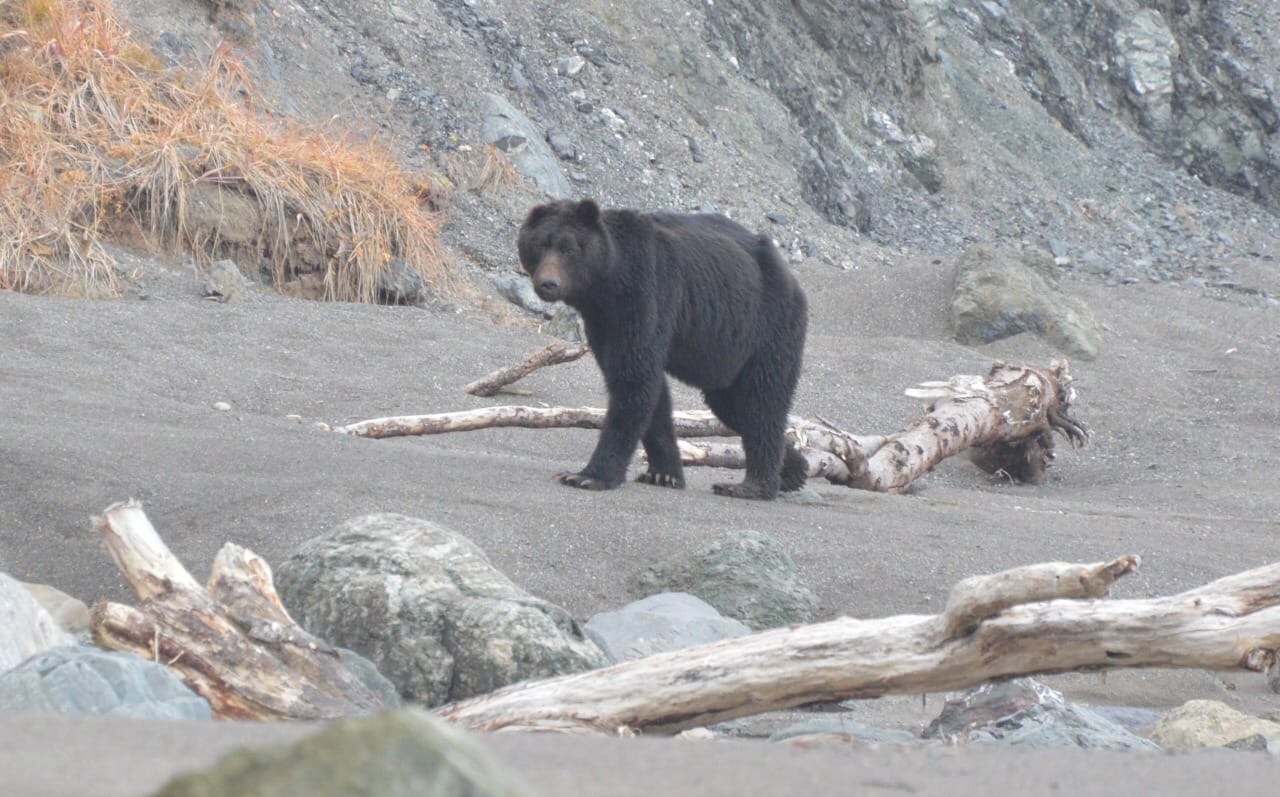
(661, 479)
(586, 482)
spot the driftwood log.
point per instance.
(552, 354)
(232, 642)
(1031, 620)
(1006, 419)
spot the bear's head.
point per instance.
(563, 247)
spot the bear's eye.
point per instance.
(566, 245)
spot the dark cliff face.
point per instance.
(924, 124)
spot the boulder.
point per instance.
(659, 623)
(525, 144)
(403, 753)
(997, 294)
(1209, 723)
(426, 606)
(69, 613)
(1022, 712)
(746, 575)
(84, 680)
(25, 627)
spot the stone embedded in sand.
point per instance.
(71, 614)
(427, 607)
(25, 627)
(394, 754)
(658, 623)
(1209, 723)
(744, 574)
(77, 679)
(1022, 712)
(997, 293)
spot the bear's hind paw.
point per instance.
(746, 489)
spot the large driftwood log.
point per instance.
(1006, 419)
(232, 642)
(552, 354)
(1026, 621)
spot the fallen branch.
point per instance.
(552, 354)
(1023, 621)
(688, 424)
(1006, 419)
(232, 643)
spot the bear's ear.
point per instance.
(538, 213)
(588, 213)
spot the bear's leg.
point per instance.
(795, 470)
(756, 406)
(632, 399)
(659, 441)
(732, 406)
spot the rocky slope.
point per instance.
(1135, 140)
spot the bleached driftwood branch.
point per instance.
(552, 354)
(688, 424)
(1023, 621)
(1006, 419)
(233, 642)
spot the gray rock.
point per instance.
(561, 144)
(995, 295)
(840, 729)
(744, 574)
(535, 160)
(427, 607)
(1145, 51)
(517, 289)
(368, 674)
(223, 281)
(565, 324)
(225, 212)
(85, 680)
(25, 627)
(920, 157)
(1133, 718)
(69, 613)
(398, 283)
(1022, 712)
(1209, 723)
(659, 623)
(405, 753)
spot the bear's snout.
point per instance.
(548, 280)
(548, 289)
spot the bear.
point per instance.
(696, 296)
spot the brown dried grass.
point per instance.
(95, 135)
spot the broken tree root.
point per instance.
(232, 642)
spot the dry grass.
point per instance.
(484, 171)
(97, 138)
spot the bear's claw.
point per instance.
(585, 482)
(661, 479)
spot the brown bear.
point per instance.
(695, 295)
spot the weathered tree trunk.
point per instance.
(1024, 621)
(233, 643)
(1006, 418)
(551, 354)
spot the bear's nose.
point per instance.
(549, 288)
